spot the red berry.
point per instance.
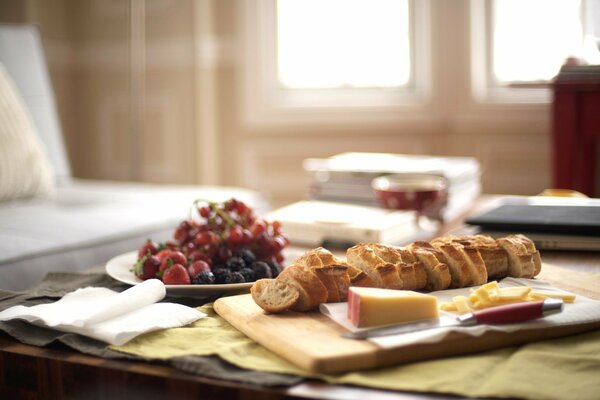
(149, 268)
(198, 255)
(258, 227)
(173, 257)
(235, 235)
(246, 236)
(198, 266)
(163, 254)
(181, 234)
(204, 237)
(204, 211)
(176, 274)
(277, 244)
(148, 247)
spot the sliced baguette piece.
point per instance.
(479, 274)
(273, 296)
(494, 257)
(332, 272)
(535, 254)
(390, 255)
(383, 274)
(310, 288)
(438, 274)
(521, 263)
(336, 281)
(457, 263)
(412, 272)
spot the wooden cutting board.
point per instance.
(312, 341)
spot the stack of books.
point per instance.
(347, 177)
(341, 225)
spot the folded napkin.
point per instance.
(107, 315)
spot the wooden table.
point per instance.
(58, 372)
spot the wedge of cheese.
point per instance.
(373, 306)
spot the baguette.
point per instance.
(318, 276)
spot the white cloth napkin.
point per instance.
(107, 315)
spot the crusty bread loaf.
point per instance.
(318, 276)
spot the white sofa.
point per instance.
(84, 223)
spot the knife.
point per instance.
(505, 314)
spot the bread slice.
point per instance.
(535, 254)
(317, 258)
(522, 261)
(438, 274)
(479, 274)
(412, 272)
(457, 263)
(309, 286)
(273, 296)
(494, 257)
(336, 281)
(384, 274)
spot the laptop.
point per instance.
(551, 224)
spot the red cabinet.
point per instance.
(576, 128)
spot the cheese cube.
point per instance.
(373, 306)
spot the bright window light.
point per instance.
(532, 38)
(327, 44)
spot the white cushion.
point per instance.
(24, 169)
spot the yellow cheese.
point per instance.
(543, 294)
(373, 306)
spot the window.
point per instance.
(325, 44)
(522, 44)
(308, 59)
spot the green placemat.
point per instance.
(557, 369)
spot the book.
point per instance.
(366, 166)
(347, 177)
(322, 223)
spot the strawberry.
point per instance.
(148, 247)
(176, 274)
(198, 266)
(173, 257)
(147, 267)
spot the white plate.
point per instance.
(120, 267)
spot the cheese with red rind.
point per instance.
(374, 306)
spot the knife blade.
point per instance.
(505, 314)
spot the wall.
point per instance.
(153, 91)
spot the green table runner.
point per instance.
(556, 369)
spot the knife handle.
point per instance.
(512, 313)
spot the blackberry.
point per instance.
(234, 277)
(247, 255)
(204, 278)
(261, 270)
(248, 274)
(276, 268)
(220, 273)
(235, 264)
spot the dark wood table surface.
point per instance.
(58, 372)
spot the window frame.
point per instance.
(265, 102)
(484, 85)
